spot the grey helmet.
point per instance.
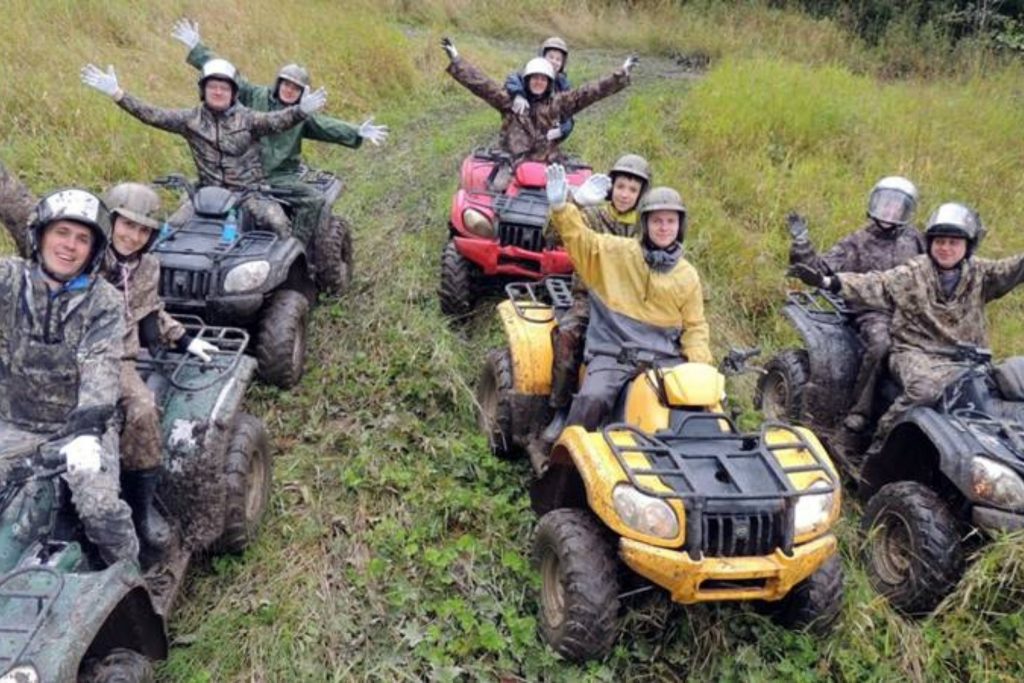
(632, 165)
(75, 205)
(293, 73)
(662, 199)
(136, 202)
(555, 43)
(222, 70)
(892, 201)
(955, 220)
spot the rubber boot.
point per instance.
(554, 429)
(139, 488)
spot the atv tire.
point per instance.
(494, 403)
(458, 289)
(118, 666)
(579, 599)
(248, 473)
(780, 389)
(281, 338)
(814, 604)
(333, 256)
(912, 549)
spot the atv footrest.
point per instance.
(26, 597)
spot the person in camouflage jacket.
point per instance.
(937, 301)
(222, 134)
(888, 240)
(281, 153)
(525, 135)
(61, 336)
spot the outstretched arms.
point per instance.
(16, 204)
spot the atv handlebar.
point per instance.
(735, 362)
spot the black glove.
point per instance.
(807, 275)
(797, 227)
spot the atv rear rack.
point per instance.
(18, 601)
(820, 305)
(188, 373)
(529, 299)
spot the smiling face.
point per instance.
(217, 94)
(537, 83)
(65, 248)
(556, 57)
(663, 227)
(129, 237)
(948, 251)
(626, 192)
(288, 92)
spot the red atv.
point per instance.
(496, 228)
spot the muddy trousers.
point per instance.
(266, 213)
(567, 351)
(873, 330)
(141, 439)
(601, 386)
(306, 205)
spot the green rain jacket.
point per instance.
(281, 153)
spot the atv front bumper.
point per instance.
(227, 309)
(494, 259)
(768, 577)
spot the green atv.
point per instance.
(64, 616)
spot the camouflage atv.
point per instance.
(64, 616)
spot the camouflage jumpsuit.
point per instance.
(567, 337)
(226, 150)
(524, 136)
(867, 250)
(60, 351)
(926, 324)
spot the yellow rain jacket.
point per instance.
(630, 302)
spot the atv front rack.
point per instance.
(820, 305)
(188, 373)
(536, 302)
(250, 244)
(26, 598)
(1009, 432)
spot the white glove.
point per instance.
(106, 83)
(201, 349)
(449, 47)
(554, 134)
(630, 63)
(187, 32)
(557, 187)
(375, 134)
(593, 191)
(312, 102)
(520, 105)
(82, 454)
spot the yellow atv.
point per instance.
(670, 488)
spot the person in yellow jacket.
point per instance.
(642, 292)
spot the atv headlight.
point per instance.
(477, 223)
(26, 673)
(246, 277)
(996, 483)
(813, 509)
(647, 514)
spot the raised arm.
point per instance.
(474, 80)
(1001, 276)
(16, 204)
(572, 101)
(187, 33)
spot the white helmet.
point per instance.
(892, 201)
(539, 65)
(222, 70)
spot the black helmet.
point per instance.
(955, 220)
(75, 205)
(662, 199)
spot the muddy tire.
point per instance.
(333, 256)
(579, 594)
(281, 338)
(912, 549)
(119, 666)
(494, 403)
(457, 291)
(780, 390)
(248, 473)
(814, 604)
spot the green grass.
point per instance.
(396, 547)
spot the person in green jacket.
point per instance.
(281, 154)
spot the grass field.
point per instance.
(396, 547)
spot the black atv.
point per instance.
(252, 278)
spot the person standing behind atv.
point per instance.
(222, 134)
(60, 352)
(525, 135)
(281, 153)
(641, 292)
(937, 301)
(556, 51)
(630, 177)
(885, 242)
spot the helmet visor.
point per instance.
(891, 206)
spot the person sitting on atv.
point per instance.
(222, 134)
(281, 153)
(630, 176)
(937, 301)
(888, 240)
(556, 51)
(525, 135)
(60, 353)
(135, 273)
(642, 291)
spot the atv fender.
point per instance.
(529, 343)
(288, 264)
